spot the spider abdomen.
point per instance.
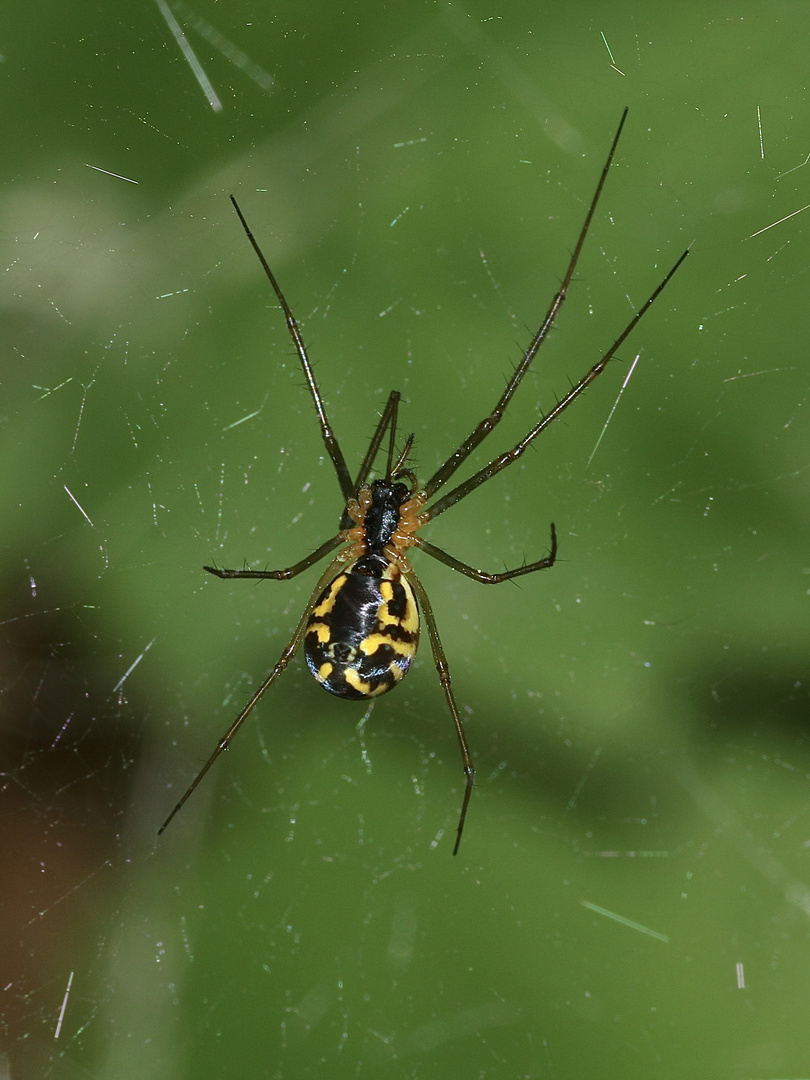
(363, 631)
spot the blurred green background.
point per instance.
(630, 898)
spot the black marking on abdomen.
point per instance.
(362, 635)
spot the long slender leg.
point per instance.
(444, 678)
(445, 471)
(288, 572)
(512, 455)
(281, 664)
(328, 435)
(482, 575)
(388, 418)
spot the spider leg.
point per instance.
(444, 678)
(482, 575)
(283, 661)
(327, 434)
(329, 438)
(498, 463)
(388, 418)
(288, 572)
(445, 471)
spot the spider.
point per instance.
(360, 627)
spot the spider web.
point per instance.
(632, 881)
